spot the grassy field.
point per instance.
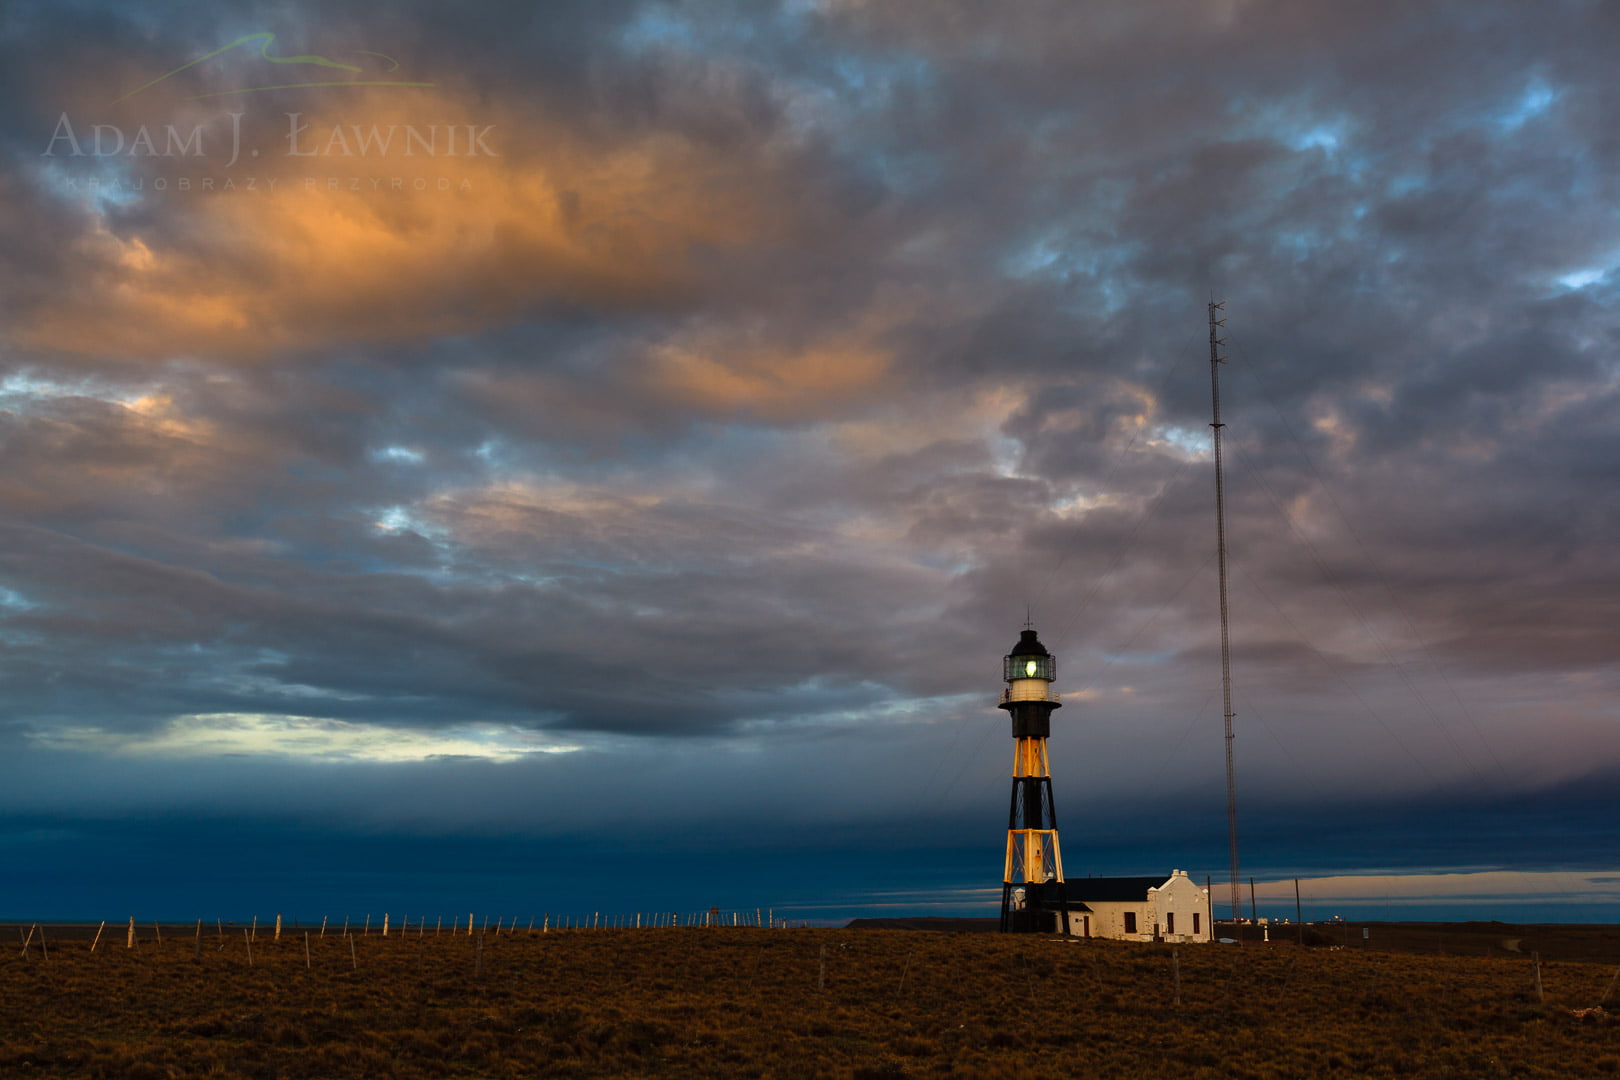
(1598, 943)
(786, 1003)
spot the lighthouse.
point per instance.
(1032, 892)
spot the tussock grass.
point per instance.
(744, 1003)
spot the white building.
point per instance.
(1173, 909)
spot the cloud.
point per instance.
(1476, 888)
(732, 408)
(352, 231)
(301, 737)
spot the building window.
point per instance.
(1195, 924)
(1130, 922)
(1169, 922)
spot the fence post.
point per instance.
(306, 950)
(1610, 990)
(99, 929)
(278, 926)
(131, 944)
(1535, 959)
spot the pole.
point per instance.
(1254, 911)
(1215, 362)
(1299, 920)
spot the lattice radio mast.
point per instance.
(1215, 362)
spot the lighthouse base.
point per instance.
(1034, 909)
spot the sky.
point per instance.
(594, 455)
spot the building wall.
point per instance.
(1108, 919)
(1175, 903)
(1172, 904)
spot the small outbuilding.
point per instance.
(1174, 908)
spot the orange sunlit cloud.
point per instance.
(765, 379)
(340, 246)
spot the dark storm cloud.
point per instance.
(778, 360)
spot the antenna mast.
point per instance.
(1215, 362)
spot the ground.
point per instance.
(694, 1002)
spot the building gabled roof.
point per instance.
(1103, 889)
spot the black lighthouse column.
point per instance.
(1032, 892)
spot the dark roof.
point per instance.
(1103, 889)
(1028, 645)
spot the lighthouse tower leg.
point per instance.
(1032, 893)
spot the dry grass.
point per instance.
(745, 1003)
